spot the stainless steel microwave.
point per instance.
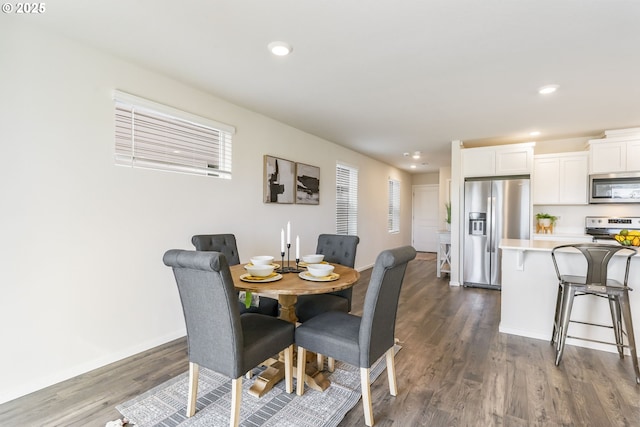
(615, 188)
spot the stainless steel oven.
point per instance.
(614, 188)
(603, 228)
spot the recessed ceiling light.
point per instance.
(416, 155)
(534, 133)
(545, 90)
(412, 166)
(280, 48)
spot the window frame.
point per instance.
(346, 199)
(393, 214)
(151, 135)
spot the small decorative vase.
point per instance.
(447, 226)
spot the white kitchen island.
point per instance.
(530, 286)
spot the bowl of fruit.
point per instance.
(628, 238)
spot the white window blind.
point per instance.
(394, 206)
(155, 136)
(346, 200)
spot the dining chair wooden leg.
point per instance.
(366, 396)
(331, 364)
(192, 393)
(236, 399)
(391, 372)
(288, 368)
(302, 355)
(320, 361)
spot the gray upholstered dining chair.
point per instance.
(360, 341)
(218, 337)
(226, 244)
(339, 249)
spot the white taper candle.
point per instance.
(282, 240)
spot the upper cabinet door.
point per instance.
(561, 179)
(574, 179)
(478, 161)
(633, 156)
(608, 157)
(516, 159)
(546, 175)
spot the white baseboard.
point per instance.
(570, 341)
(361, 269)
(49, 380)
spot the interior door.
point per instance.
(425, 217)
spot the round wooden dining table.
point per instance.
(287, 290)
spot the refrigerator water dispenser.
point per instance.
(477, 223)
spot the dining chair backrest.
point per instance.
(377, 328)
(224, 243)
(209, 304)
(338, 248)
(598, 257)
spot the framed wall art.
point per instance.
(279, 180)
(307, 184)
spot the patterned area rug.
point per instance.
(165, 404)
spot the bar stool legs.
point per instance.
(565, 317)
(556, 317)
(626, 315)
(620, 313)
(614, 306)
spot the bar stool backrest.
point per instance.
(598, 257)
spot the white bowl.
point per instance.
(320, 270)
(313, 259)
(262, 260)
(259, 270)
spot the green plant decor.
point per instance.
(542, 215)
(448, 208)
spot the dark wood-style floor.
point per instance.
(455, 369)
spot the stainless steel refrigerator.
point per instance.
(494, 209)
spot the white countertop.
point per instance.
(560, 236)
(539, 245)
(530, 245)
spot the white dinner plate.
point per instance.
(308, 276)
(249, 278)
(304, 264)
(275, 266)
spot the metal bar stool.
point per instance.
(596, 283)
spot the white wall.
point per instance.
(83, 281)
(425, 178)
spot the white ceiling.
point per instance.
(385, 77)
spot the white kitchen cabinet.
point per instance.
(561, 179)
(633, 156)
(501, 160)
(615, 155)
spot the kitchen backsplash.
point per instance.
(571, 218)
